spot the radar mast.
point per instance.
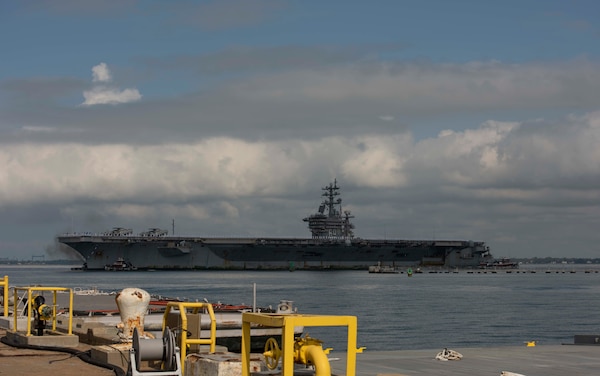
(331, 225)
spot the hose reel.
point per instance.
(161, 349)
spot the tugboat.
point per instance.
(502, 263)
(120, 265)
(387, 269)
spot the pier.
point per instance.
(547, 360)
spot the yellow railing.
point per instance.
(185, 341)
(4, 284)
(30, 296)
(287, 323)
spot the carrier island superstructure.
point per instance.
(332, 246)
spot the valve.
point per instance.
(41, 312)
(307, 350)
(272, 353)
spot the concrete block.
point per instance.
(50, 338)
(117, 354)
(9, 323)
(222, 364)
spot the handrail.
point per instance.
(5, 303)
(29, 300)
(185, 341)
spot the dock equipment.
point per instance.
(287, 322)
(36, 305)
(195, 307)
(4, 284)
(162, 349)
(307, 351)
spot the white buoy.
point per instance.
(133, 305)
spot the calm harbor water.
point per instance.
(395, 312)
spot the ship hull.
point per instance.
(270, 253)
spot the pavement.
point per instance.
(547, 360)
(16, 361)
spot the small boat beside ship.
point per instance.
(383, 269)
(333, 245)
(120, 265)
(501, 263)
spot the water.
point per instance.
(425, 311)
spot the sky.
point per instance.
(470, 120)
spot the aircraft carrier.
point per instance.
(332, 246)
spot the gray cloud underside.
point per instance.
(308, 104)
(208, 15)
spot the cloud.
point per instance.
(313, 103)
(538, 157)
(101, 94)
(424, 87)
(35, 129)
(101, 73)
(269, 59)
(227, 14)
(83, 8)
(487, 182)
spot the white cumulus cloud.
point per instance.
(103, 94)
(101, 73)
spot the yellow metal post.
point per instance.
(245, 347)
(287, 339)
(4, 284)
(15, 314)
(28, 313)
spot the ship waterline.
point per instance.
(332, 246)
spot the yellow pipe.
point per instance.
(316, 356)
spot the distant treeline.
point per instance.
(557, 260)
(7, 261)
